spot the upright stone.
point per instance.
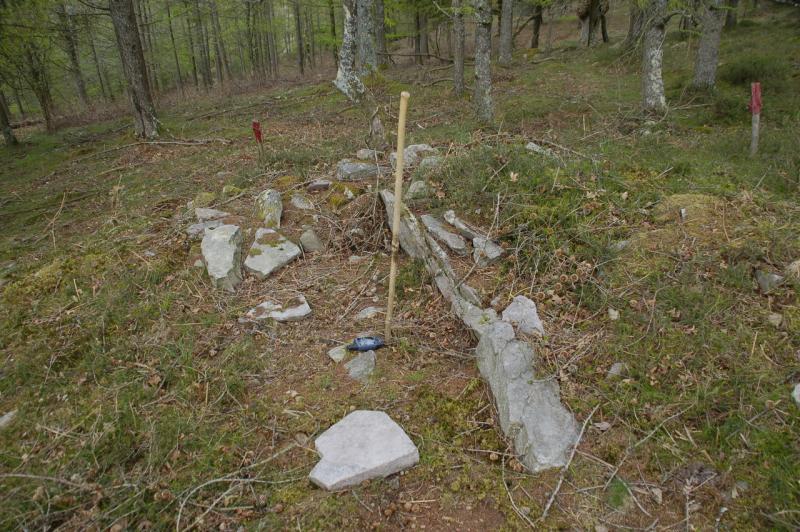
(270, 207)
(222, 250)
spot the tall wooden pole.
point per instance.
(755, 109)
(398, 207)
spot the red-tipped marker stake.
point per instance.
(755, 109)
(259, 138)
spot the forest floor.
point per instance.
(143, 403)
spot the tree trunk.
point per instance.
(299, 29)
(423, 35)
(221, 39)
(70, 39)
(202, 43)
(18, 100)
(179, 77)
(653, 99)
(506, 32)
(712, 18)
(39, 81)
(635, 27)
(537, 26)
(105, 91)
(332, 16)
(5, 122)
(380, 33)
(133, 65)
(482, 98)
(589, 16)
(271, 43)
(732, 18)
(347, 79)
(365, 37)
(458, 48)
(215, 33)
(418, 38)
(192, 54)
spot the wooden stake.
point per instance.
(398, 207)
(755, 109)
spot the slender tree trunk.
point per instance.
(732, 16)
(635, 26)
(347, 79)
(589, 16)
(70, 39)
(217, 45)
(712, 18)
(153, 47)
(418, 38)
(133, 65)
(192, 52)
(537, 26)
(5, 122)
(458, 48)
(18, 101)
(299, 29)
(106, 92)
(311, 42)
(39, 81)
(423, 35)
(482, 98)
(603, 27)
(221, 39)
(367, 60)
(178, 76)
(332, 16)
(653, 99)
(380, 33)
(506, 32)
(272, 43)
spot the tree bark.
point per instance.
(299, 30)
(332, 16)
(105, 87)
(458, 48)
(635, 27)
(70, 39)
(506, 32)
(5, 122)
(482, 97)
(537, 26)
(380, 33)
(39, 80)
(712, 18)
(133, 65)
(653, 99)
(367, 58)
(347, 79)
(215, 33)
(423, 35)
(192, 54)
(732, 18)
(418, 38)
(591, 14)
(179, 77)
(220, 39)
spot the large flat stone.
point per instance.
(270, 208)
(465, 230)
(205, 214)
(293, 310)
(485, 252)
(453, 241)
(348, 170)
(366, 444)
(362, 366)
(222, 253)
(522, 313)
(269, 252)
(198, 230)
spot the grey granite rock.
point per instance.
(451, 240)
(348, 170)
(362, 366)
(294, 310)
(485, 252)
(522, 313)
(301, 202)
(311, 242)
(205, 214)
(270, 208)
(269, 252)
(222, 250)
(418, 190)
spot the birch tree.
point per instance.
(711, 16)
(653, 99)
(365, 37)
(482, 97)
(458, 48)
(506, 32)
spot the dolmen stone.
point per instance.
(362, 366)
(270, 208)
(270, 251)
(222, 252)
(522, 314)
(293, 310)
(348, 170)
(451, 240)
(366, 444)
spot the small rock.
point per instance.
(602, 426)
(7, 418)
(198, 230)
(318, 185)
(429, 164)
(294, 310)
(463, 229)
(347, 170)
(222, 249)
(362, 366)
(413, 154)
(796, 394)
(485, 252)
(199, 263)
(205, 214)
(204, 199)
(366, 444)
(418, 190)
(338, 354)
(775, 319)
(356, 259)
(311, 242)
(522, 314)
(613, 314)
(793, 270)
(541, 150)
(348, 193)
(768, 280)
(451, 240)
(269, 252)
(301, 202)
(229, 191)
(270, 207)
(617, 369)
(368, 313)
(365, 154)
(619, 246)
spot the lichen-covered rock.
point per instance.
(222, 250)
(294, 310)
(463, 229)
(429, 164)
(318, 185)
(198, 230)
(205, 214)
(451, 240)
(301, 202)
(366, 154)
(229, 191)
(485, 251)
(338, 353)
(540, 150)
(413, 154)
(418, 190)
(347, 170)
(270, 208)
(362, 366)
(269, 252)
(522, 313)
(311, 242)
(204, 199)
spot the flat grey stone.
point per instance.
(197, 230)
(7, 418)
(205, 214)
(617, 370)
(485, 252)
(362, 366)
(365, 154)
(522, 313)
(269, 252)
(451, 240)
(540, 150)
(311, 242)
(429, 164)
(222, 253)
(348, 170)
(366, 444)
(270, 207)
(413, 154)
(795, 395)
(418, 190)
(338, 354)
(463, 229)
(302, 202)
(368, 313)
(768, 280)
(318, 185)
(294, 310)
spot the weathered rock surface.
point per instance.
(318, 185)
(338, 353)
(347, 170)
(413, 154)
(418, 190)
(7, 418)
(269, 252)
(485, 252)
(366, 154)
(222, 253)
(767, 281)
(270, 207)
(362, 366)
(294, 310)
(197, 230)
(617, 370)
(429, 164)
(522, 313)
(465, 230)
(302, 202)
(451, 240)
(541, 150)
(365, 444)
(795, 395)
(311, 242)
(530, 409)
(205, 214)
(368, 313)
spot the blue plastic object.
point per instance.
(366, 343)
